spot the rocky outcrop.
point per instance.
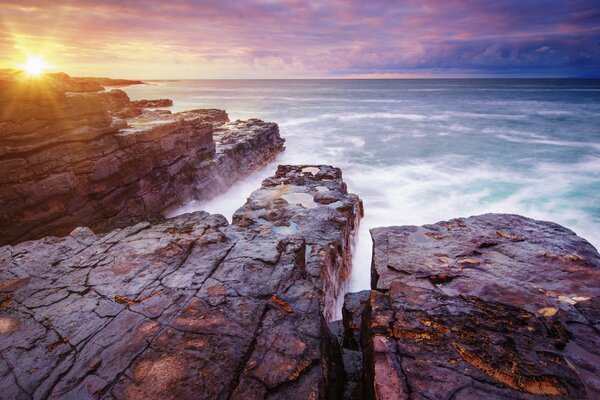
(188, 308)
(70, 159)
(80, 84)
(110, 81)
(64, 82)
(158, 103)
(494, 306)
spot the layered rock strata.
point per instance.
(98, 160)
(188, 308)
(494, 306)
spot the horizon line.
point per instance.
(336, 77)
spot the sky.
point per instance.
(176, 39)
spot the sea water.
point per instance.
(421, 151)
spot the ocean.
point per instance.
(419, 151)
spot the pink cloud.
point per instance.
(262, 38)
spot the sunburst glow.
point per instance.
(34, 66)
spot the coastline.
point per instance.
(491, 305)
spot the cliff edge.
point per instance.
(97, 159)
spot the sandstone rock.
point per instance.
(187, 308)
(494, 306)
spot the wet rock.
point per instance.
(286, 206)
(493, 306)
(70, 159)
(187, 308)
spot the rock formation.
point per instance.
(71, 159)
(158, 103)
(66, 83)
(110, 81)
(188, 308)
(495, 307)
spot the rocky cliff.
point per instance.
(188, 308)
(494, 306)
(96, 159)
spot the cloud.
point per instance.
(293, 38)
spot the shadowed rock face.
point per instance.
(70, 159)
(188, 308)
(494, 306)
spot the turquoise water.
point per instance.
(420, 151)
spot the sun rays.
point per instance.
(34, 66)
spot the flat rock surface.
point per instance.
(494, 306)
(188, 308)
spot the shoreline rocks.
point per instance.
(158, 103)
(493, 306)
(99, 160)
(191, 306)
(65, 82)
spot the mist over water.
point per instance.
(421, 151)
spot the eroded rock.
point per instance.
(494, 306)
(188, 308)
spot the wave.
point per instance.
(349, 117)
(485, 115)
(549, 142)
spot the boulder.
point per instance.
(494, 306)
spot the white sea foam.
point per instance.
(549, 142)
(416, 194)
(354, 117)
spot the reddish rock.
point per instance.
(494, 306)
(187, 308)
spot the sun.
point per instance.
(34, 66)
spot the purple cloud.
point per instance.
(262, 38)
